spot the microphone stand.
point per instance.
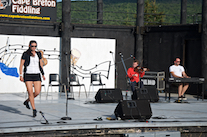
(68, 84)
(46, 122)
(122, 60)
(116, 72)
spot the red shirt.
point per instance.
(131, 72)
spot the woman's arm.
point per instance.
(41, 65)
(21, 70)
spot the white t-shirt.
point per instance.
(33, 67)
(177, 70)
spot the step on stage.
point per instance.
(98, 119)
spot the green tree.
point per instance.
(152, 16)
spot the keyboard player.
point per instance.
(178, 71)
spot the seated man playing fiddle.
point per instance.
(178, 71)
(135, 75)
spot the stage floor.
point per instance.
(15, 117)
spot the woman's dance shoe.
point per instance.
(26, 103)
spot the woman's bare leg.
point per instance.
(29, 85)
(37, 88)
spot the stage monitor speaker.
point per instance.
(146, 93)
(133, 109)
(141, 94)
(109, 95)
(153, 93)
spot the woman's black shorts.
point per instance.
(32, 77)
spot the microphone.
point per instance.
(120, 54)
(110, 52)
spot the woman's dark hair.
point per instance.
(29, 49)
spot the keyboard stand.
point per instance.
(169, 84)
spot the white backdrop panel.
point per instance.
(12, 84)
(92, 53)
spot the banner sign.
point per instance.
(41, 10)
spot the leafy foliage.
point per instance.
(123, 12)
(152, 16)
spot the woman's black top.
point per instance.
(26, 57)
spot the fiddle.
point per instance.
(140, 69)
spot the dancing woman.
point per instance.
(33, 66)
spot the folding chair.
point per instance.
(54, 78)
(97, 79)
(74, 82)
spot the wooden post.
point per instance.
(204, 44)
(65, 40)
(99, 11)
(138, 36)
(183, 12)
